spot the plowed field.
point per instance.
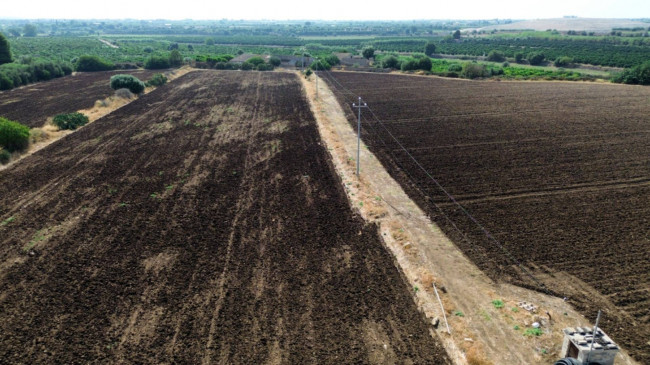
(202, 223)
(33, 104)
(558, 173)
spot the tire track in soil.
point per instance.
(159, 214)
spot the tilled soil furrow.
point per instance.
(201, 223)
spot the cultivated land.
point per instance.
(31, 105)
(566, 24)
(559, 173)
(202, 223)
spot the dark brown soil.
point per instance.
(33, 104)
(202, 223)
(558, 173)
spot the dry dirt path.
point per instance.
(482, 334)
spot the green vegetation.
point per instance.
(459, 314)
(18, 74)
(637, 75)
(127, 82)
(497, 303)
(5, 156)
(70, 121)
(30, 30)
(13, 135)
(368, 52)
(157, 62)
(89, 63)
(175, 58)
(533, 332)
(496, 56)
(7, 221)
(157, 80)
(536, 58)
(429, 48)
(5, 50)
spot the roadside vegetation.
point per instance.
(406, 46)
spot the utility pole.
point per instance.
(360, 105)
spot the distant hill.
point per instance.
(565, 24)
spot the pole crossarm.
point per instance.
(359, 105)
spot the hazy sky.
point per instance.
(335, 9)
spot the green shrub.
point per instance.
(246, 66)
(5, 82)
(156, 63)
(637, 75)
(13, 135)
(429, 49)
(5, 156)
(275, 61)
(264, 67)
(88, 63)
(255, 61)
(5, 50)
(368, 52)
(127, 82)
(320, 65)
(70, 121)
(533, 332)
(536, 58)
(563, 61)
(175, 58)
(498, 303)
(390, 62)
(473, 70)
(157, 80)
(332, 59)
(455, 67)
(496, 56)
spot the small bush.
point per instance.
(308, 72)
(275, 61)
(156, 63)
(264, 67)
(497, 303)
(124, 93)
(390, 62)
(13, 135)
(70, 121)
(536, 58)
(455, 67)
(246, 66)
(5, 156)
(533, 332)
(496, 56)
(93, 63)
(127, 82)
(320, 65)
(563, 62)
(255, 61)
(473, 71)
(157, 80)
(175, 58)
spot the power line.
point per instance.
(484, 230)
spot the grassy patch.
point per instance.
(7, 221)
(533, 332)
(497, 303)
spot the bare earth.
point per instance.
(483, 334)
